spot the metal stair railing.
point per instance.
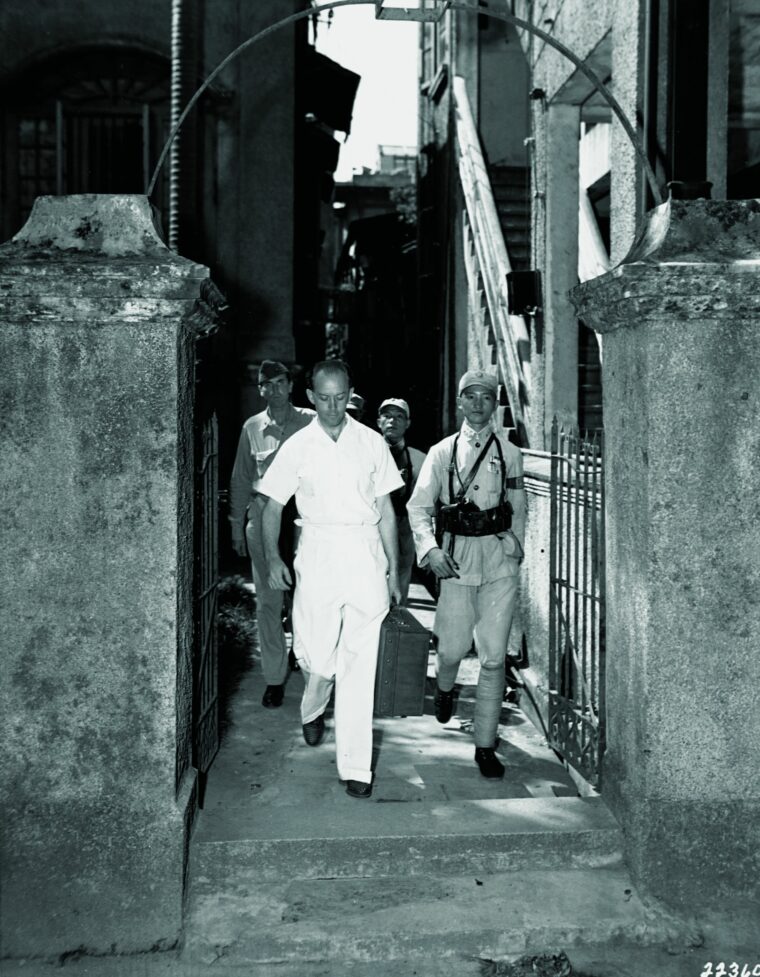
(488, 264)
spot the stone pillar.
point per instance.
(561, 358)
(682, 432)
(96, 341)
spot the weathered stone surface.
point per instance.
(97, 575)
(682, 434)
(105, 224)
(702, 250)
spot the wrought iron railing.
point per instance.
(577, 601)
(487, 265)
(206, 691)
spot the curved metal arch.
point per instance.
(454, 5)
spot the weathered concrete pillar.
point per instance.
(561, 359)
(96, 342)
(682, 431)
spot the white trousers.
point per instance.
(340, 601)
(484, 614)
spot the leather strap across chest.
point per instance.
(467, 482)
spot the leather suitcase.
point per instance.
(402, 662)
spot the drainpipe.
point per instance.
(174, 111)
(649, 100)
(183, 155)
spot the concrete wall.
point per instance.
(246, 138)
(30, 32)
(682, 423)
(502, 109)
(96, 615)
(530, 629)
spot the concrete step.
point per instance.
(469, 916)
(468, 835)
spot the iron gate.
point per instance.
(206, 685)
(577, 601)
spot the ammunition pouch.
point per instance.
(466, 519)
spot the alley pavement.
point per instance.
(266, 774)
(439, 872)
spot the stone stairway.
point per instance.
(438, 870)
(511, 191)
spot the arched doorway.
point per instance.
(86, 120)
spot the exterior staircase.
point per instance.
(511, 192)
(590, 415)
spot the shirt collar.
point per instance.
(469, 434)
(271, 421)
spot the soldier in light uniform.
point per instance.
(341, 473)
(477, 477)
(393, 419)
(259, 441)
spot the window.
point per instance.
(86, 123)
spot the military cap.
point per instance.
(270, 369)
(355, 402)
(478, 378)
(395, 402)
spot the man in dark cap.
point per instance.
(393, 419)
(259, 442)
(476, 477)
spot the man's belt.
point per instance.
(466, 519)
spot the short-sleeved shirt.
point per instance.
(481, 559)
(335, 483)
(260, 439)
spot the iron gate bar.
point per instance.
(576, 621)
(206, 696)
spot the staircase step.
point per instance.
(466, 916)
(513, 204)
(500, 835)
(511, 175)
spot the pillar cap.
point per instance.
(699, 231)
(114, 225)
(690, 260)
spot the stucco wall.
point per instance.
(683, 582)
(503, 113)
(97, 574)
(530, 629)
(30, 31)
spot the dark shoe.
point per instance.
(273, 696)
(293, 662)
(444, 705)
(357, 788)
(314, 731)
(490, 765)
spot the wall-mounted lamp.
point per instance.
(429, 11)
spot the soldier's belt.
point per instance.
(462, 519)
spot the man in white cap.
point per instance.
(341, 473)
(261, 437)
(393, 419)
(477, 477)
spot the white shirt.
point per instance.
(481, 559)
(336, 483)
(260, 439)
